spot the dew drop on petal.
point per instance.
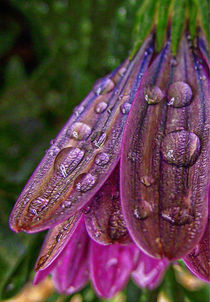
(125, 108)
(179, 94)
(100, 107)
(104, 87)
(79, 131)
(180, 148)
(177, 216)
(78, 110)
(111, 262)
(147, 180)
(153, 95)
(143, 210)
(85, 182)
(102, 159)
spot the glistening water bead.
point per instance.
(179, 94)
(153, 95)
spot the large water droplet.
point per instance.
(104, 87)
(125, 108)
(67, 160)
(142, 210)
(181, 148)
(177, 216)
(79, 131)
(98, 139)
(85, 182)
(153, 95)
(179, 94)
(100, 107)
(102, 159)
(37, 205)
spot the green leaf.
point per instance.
(203, 7)
(162, 21)
(192, 17)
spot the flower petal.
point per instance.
(69, 175)
(72, 271)
(56, 240)
(149, 272)
(104, 219)
(111, 266)
(165, 157)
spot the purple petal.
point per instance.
(198, 260)
(56, 240)
(149, 272)
(165, 157)
(104, 219)
(69, 175)
(72, 271)
(110, 267)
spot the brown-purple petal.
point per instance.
(104, 220)
(165, 159)
(69, 175)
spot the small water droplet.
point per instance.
(125, 108)
(78, 110)
(98, 139)
(147, 180)
(102, 159)
(100, 107)
(143, 210)
(112, 262)
(132, 156)
(173, 62)
(181, 148)
(104, 87)
(177, 216)
(203, 78)
(79, 131)
(86, 210)
(67, 160)
(85, 182)
(179, 94)
(52, 141)
(153, 95)
(196, 250)
(66, 204)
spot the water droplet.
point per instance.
(86, 210)
(102, 159)
(79, 131)
(153, 95)
(196, 250)
(52, 141)
(104, 87)
(98, 139)
(180, 148)
(85, 182)
(100, 107)
(37, 205)
(66, 204)
(97, 234)
(203, 78)
(67, 160)
(121, 71)
(132, 156)
(78, 110)
(125, 108)
(147, 180)
(143, 210)
(177, 216)
(179, 94)
(111, 262)
(173, 62)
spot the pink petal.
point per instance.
(69, 175)
(149, 272)
(110, 267)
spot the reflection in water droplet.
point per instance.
(180, 148)
(78, 110)
(112, 262)
(37, 205)
(179, 94)
(104, 87)
(67, 160)
(79, 131)
(98, 139)
(102, 159)
(85, 182)
(100, 107)
(125, 108)
(177, 216)
(147, 180)
(153, 95)
(143, 210)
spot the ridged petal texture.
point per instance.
(198, 261)
(110, 267)
(149, 272)
(165, 155)
(104, 220)
(84, 153)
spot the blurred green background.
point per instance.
(51, 53)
